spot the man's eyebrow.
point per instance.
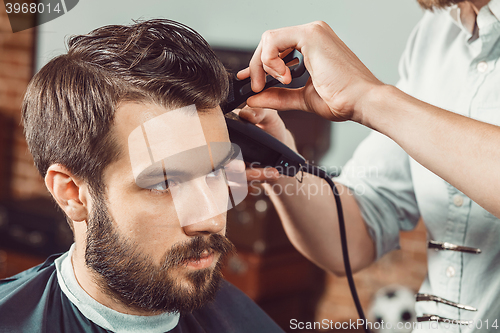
(158, 174)
(162, 173)
(227, 158)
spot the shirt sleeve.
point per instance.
(380, 177)
(405, 62)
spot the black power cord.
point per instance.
(313, 170)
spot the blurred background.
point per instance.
(266, 267)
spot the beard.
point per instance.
(134, 280)
(437, 4)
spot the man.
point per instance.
(113, 126)
(421, 161)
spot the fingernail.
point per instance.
(249, 111)
(281, 79)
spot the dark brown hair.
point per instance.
(69, 107)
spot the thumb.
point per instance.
(280, 99)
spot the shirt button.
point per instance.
(458, 200)
(450, 272)
(482, 66)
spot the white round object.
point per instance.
(393, 308)
(482, 67)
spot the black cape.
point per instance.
(32, 302)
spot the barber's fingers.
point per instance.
(273, 42)
(259, 75)
(266, 119)
(266, 58)
(262, 174)
(261, 116)
(307, 38)
(259, 66)
(243, 74)
(256, 71)
(281, 99)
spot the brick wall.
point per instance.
(19, 177)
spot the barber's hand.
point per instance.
(271, 122)
(339, 80)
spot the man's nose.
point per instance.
(203, 208)
(212, 225)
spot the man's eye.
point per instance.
(215, 174)
(160, 187)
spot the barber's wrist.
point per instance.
(372, 109)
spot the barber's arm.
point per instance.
(308, 211)
(342, 88)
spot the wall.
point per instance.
(20, 177)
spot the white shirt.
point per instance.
(446, 65)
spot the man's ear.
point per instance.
(69, 191)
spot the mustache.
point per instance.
(196, 247)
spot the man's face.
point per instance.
(438, 4)
(141, 253)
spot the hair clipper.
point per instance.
(257, 146)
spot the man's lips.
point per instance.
(206, 259)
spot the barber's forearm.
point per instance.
(462, 151)
(309, 216)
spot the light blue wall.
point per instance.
(376, 30)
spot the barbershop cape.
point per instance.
(32, 302)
